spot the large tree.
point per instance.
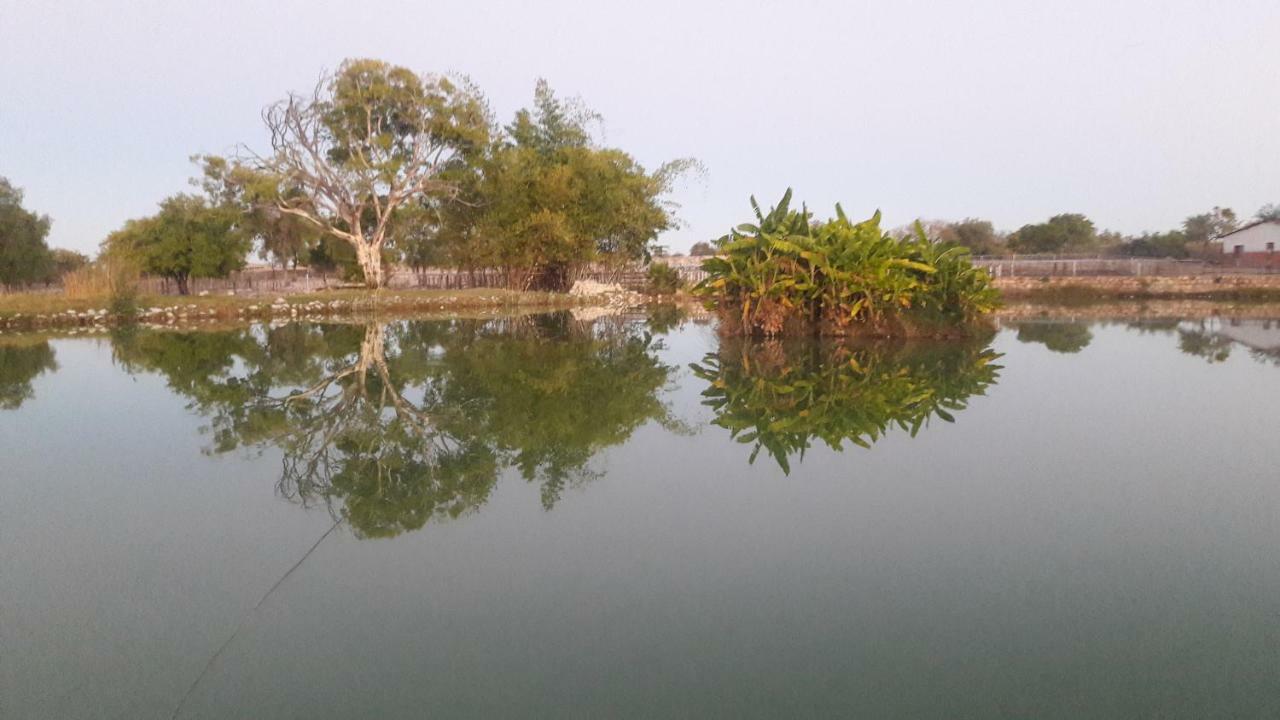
(24, 256)
(369, 140)
(548, 201)
(188, 238)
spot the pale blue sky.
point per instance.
(1135, 113)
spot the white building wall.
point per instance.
(1254, 239)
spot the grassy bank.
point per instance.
(34, 310)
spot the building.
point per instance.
(1253, 245)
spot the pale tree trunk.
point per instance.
(370, 258)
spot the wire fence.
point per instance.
(266, 281)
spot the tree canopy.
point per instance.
(1069, 232)
(546, 201)
(368, 141)
(24, 256)
(187, 238)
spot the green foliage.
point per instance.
(65, 261)
(1062, 233)
(19, 365)
(664, 279)
(187, 238)
(702, 248)
(788, 274)
(782, 396)
(544, 201)
(254, 194)
(24, 256)
(979, 236)
(1268, 213)
(1172, 244)
(1204, 228)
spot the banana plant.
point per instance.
(787, 272)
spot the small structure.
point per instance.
(1253, 245)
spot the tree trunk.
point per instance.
(370, 259)
(183, 289)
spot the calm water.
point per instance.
(547, 517)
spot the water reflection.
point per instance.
(1057, 336)
(782, 396)
(19, 365)
(394, 425)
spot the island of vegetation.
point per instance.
(788, 274)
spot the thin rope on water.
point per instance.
(245, 619)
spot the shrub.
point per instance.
(792, 275)
(664, 279)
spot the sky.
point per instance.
(1134, 113)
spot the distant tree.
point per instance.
(1062, 233)
(1268, 212)
(1204, 228)
(65, 261)
(979, 236)
(371, 139)
(1172, 244)
(702, 249)
(187, 238)
(24, 256)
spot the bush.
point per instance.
(664, 279)
(792, 275)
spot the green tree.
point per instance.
(65, 261)
(24, 256)
(1171, 244)
(545, 201)
(979, 236)
(280, 237)
(1068, 232)
(372, 139)
(702, 248)
(1203, 229)
(187, 238)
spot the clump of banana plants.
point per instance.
(787, 274)
(783, 395)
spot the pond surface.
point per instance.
(547, 517)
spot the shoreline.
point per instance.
(1246, 296)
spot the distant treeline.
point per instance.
(1072, 233)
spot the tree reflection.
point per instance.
(395, 425)
(782, 396)
(1059, 337)
(19, 365)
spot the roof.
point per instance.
(1255, 223)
